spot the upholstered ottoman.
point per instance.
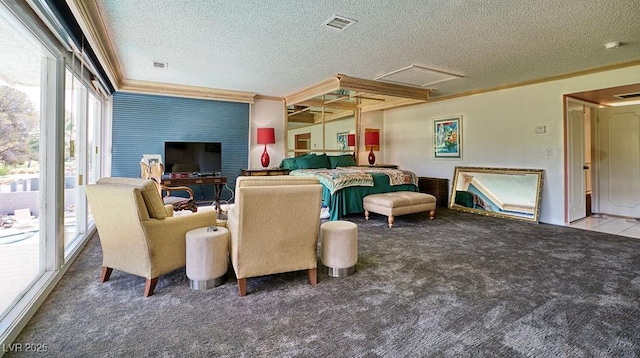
(339, 247)
(207, 257)
(399, 203)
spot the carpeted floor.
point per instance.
(462, 285)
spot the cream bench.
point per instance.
(399, 203)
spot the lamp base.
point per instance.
(265, 158)
(372, 157)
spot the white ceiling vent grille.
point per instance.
(417, 76)
(160, 65)
(340, 22)
(628, 95)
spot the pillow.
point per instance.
(345, 160)
(312, 162)
(288, 163)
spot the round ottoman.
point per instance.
(207, 257)
(339, 247)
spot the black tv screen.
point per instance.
(189, 157)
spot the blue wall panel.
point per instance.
(142, 123)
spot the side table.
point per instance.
(264, 172)
(387, 166)
(437, 187)
(207, 256)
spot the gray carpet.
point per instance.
(462, 285)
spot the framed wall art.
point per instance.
(342, 140)
(150, 159)
(447, 138)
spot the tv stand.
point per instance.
(217, 181)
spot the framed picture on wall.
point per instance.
(447, 137)
(342, 140)
(151, 159)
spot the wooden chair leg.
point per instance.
(149, 286)
(313, 276)
(366, 214)
(242, 286)
(106, 273)
(391, 220)
(432, 214)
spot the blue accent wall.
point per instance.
(142, 123)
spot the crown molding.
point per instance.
(88, 16)
(170, 89)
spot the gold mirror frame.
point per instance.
(500, 192)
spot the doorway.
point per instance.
(303, 142)
(607, 151)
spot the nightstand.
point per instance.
(264, 172)
(388, 166)
(437, 187)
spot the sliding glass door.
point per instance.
(22, 243)
(50, 127)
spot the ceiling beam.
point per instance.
(387, 89)
(329, 85)
(321, 103)
(305, 117)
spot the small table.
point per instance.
(264, 172)
(206, 256)
(438, 187)
(217, 183)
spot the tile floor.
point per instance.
(609, 224)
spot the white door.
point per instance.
(619, 161)
(577, 187)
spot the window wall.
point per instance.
(50, 128)
(22, 243)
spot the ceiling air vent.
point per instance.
(339, 22)
(627, 95)
(160, 65)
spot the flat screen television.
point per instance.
(200, 157)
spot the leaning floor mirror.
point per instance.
(501, 192)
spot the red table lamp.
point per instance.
(266, 136)
(371, 139)
(351, 142)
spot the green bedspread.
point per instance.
(349, 200)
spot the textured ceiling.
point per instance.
(277, 47)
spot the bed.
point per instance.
(345, 187)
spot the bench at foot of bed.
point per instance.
(399, 203)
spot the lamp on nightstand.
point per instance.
(372, 139)
(351, 142)
(266, 136)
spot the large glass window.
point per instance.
(81, 124)
(22, 243)
(50, 121)
(73, 114)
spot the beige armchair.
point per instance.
(274, 226)
(138, 233)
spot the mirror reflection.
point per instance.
(502, 192)
(321, 125)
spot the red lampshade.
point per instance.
(372, 138)
(266, 136)
(351, 140)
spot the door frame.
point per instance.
(567, 143)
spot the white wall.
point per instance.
(498, 131)
(270, 114)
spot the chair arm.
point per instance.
(166, 239)
(169, 189)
